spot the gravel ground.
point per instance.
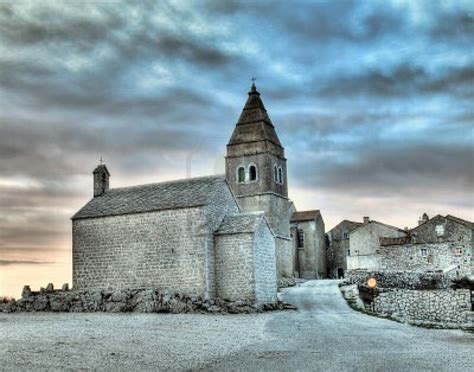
(324, 335)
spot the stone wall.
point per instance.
(453, 231)
(143, 300)
(235, 266)
(338, 238)
(265, 265)
(401, 280)
(164, 249)
(428, 256)
(246, 265)
(311, 259)
(424, 307)
(364, 242)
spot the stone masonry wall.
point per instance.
(164, 249)
(265, 265)
(439, 256)
(143, 300)
(364, 241)
(223, 204)
(235, 266)
(417, 306)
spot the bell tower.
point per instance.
(256, 172)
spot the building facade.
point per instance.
(338, 247)
(309, 244)
(442, 243)
(364, 241)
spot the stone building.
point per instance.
(442, 243)
(217, 236)
(257, 173)
(338, 247)
(307, 230)
(364, 243)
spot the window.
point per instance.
(424, 252)
(241, 174)
(348, 252)
(280, 175)
(345, 235)
(300, 238)
(439, 230)
(253, 173)
(275, 173)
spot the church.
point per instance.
(230, 236)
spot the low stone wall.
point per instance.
(448, 306)
(143, 300)
(401, 279)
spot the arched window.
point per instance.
(252, 173)
(275, 173)
(241, 174)
(280, 175)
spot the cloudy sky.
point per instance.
(373, 101)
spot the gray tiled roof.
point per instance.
(254, 123)
(305, 216)
(240, 223)
(153, 197)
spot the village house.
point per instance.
(364, 243)
(442, 243)
(338, 247)
(307, 230)
(218, 236)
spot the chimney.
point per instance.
(101, 179)
(366, 220)
(423, 219)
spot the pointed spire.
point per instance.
(254, 124)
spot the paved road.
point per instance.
(326, 335)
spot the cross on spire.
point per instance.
(253, 88)
(101, 161)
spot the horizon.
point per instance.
(372, 103)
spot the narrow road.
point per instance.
(326, 335)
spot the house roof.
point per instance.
(254, 124)
(305, 216)
(191, 192)
(449, 217)
(460, 220)
(101, 168)
(240, 223)
(378, 223)
(352, 225)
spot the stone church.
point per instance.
(223, 236)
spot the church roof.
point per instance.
(240, 223)
(254, 124)
(185, 193)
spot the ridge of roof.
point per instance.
(305, 215)
(379, 223)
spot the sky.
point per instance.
(373, 101)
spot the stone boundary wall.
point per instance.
(447, 307)
(143, 300)
(401, 279)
